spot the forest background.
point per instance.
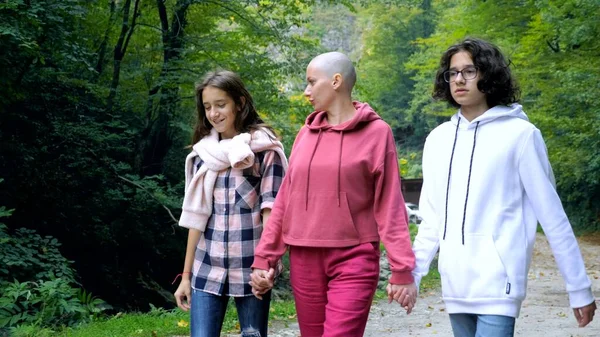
(97, 108)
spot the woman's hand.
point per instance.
(261, 281)
(183, 295)
(404, 294)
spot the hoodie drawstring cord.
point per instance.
(339, 168)
(469, 183)
(468, 180)
(308, 174)
(450, 175)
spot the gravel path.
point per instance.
(545, 312)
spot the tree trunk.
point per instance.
(121, 49)
(156, 139)
(102, 49)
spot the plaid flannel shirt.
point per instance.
(225, 251)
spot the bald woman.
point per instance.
(340, 197)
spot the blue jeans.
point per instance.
(208, 312)
(472, 325)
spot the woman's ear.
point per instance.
(242, 103)
(337, 80)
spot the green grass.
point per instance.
(158, 323)
(165, 323)
(432, 280)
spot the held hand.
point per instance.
(261, 281)
(183, 295)
(585, 315)
(404, 294)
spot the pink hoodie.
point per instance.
(342, 189)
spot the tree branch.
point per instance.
(150, 194)
(136, 13)
(114, 170)
(553, 46)
(102, 49)
(220, 4)
(150, 26)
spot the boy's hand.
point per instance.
(585, 315)
(404, 294)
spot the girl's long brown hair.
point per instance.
(246, 120)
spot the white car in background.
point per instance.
(414, 216)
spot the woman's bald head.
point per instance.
(336, 63)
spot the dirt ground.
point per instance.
(545, 312)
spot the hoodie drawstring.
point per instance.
(469, 183)
(468, 180)
(308, 174)
(450, 175)
(339, 167)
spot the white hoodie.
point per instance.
(486, 184)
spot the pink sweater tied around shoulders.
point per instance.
(237, 152)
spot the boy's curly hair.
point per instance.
(496, 80)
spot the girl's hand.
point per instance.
(183, 295)
(261, 281)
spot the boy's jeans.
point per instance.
(208, 312)
(471, 325)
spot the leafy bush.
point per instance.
(50, 303)
(28, 256)
(46, 296)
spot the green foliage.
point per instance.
(47, 299)
(33, 35)
(26, 255)
(410, 164)
(385, 78)
(160, 323)
(50, 303)
(31, 331)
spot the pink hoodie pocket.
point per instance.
(320, 220)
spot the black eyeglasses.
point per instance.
(468, 73)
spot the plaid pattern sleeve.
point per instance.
(272, 177)
(225, 251)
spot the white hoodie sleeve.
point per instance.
(427, 242)
(538, 180)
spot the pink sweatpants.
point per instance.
(333, 288)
